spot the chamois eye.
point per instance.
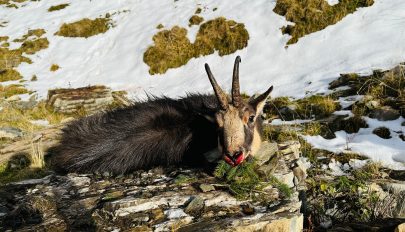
(251, 118)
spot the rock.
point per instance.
(13, 98)
(175, 213)
(372, 104)
(206, 187)
(290, 224)
(148, 201)
(384, 113)
(290, 148)
(382, 132)
(247, 208)
(195, 207)
(266, 152)
(10, 132)
(400, 228)
(91, 99)
(288, 113)
(287, 178)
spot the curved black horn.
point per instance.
(236, 99)
(261, 97)
(223, 101)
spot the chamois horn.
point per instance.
(221, 96)
(236, 99)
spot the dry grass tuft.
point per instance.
(173, 49)
(54, 67)
(9, 75)
(316, 106)
(58, 7)
(159, 26)
(13, 116)
(37, 156)
(10, 90)
(195, 20)
(225, 36)
(314, 15)
(85, 28)
(33, 46)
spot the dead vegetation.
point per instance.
(54, 67)
(85, 27)
(31, 43)
(11, 3)
(310, 16)
(195, 20)
(10, 90)
(58, 7)
(173, 49)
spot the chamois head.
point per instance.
(238, 121)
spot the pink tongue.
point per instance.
(239, 159)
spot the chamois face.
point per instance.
(239, 132)
(238, 121)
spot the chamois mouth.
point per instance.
(234, 160)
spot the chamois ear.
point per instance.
(258, 102)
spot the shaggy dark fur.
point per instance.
(157, 132)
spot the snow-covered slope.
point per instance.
(371, 38)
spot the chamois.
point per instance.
(163, 131)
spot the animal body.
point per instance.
(165, 131)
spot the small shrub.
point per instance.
(34, 78)
(58, 7)
(195, 20)
(244, 180)
(54, 67)
(382, 132)
(84, 28)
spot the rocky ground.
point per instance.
(157, 200)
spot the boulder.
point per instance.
(90, 99)
(384, 113)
